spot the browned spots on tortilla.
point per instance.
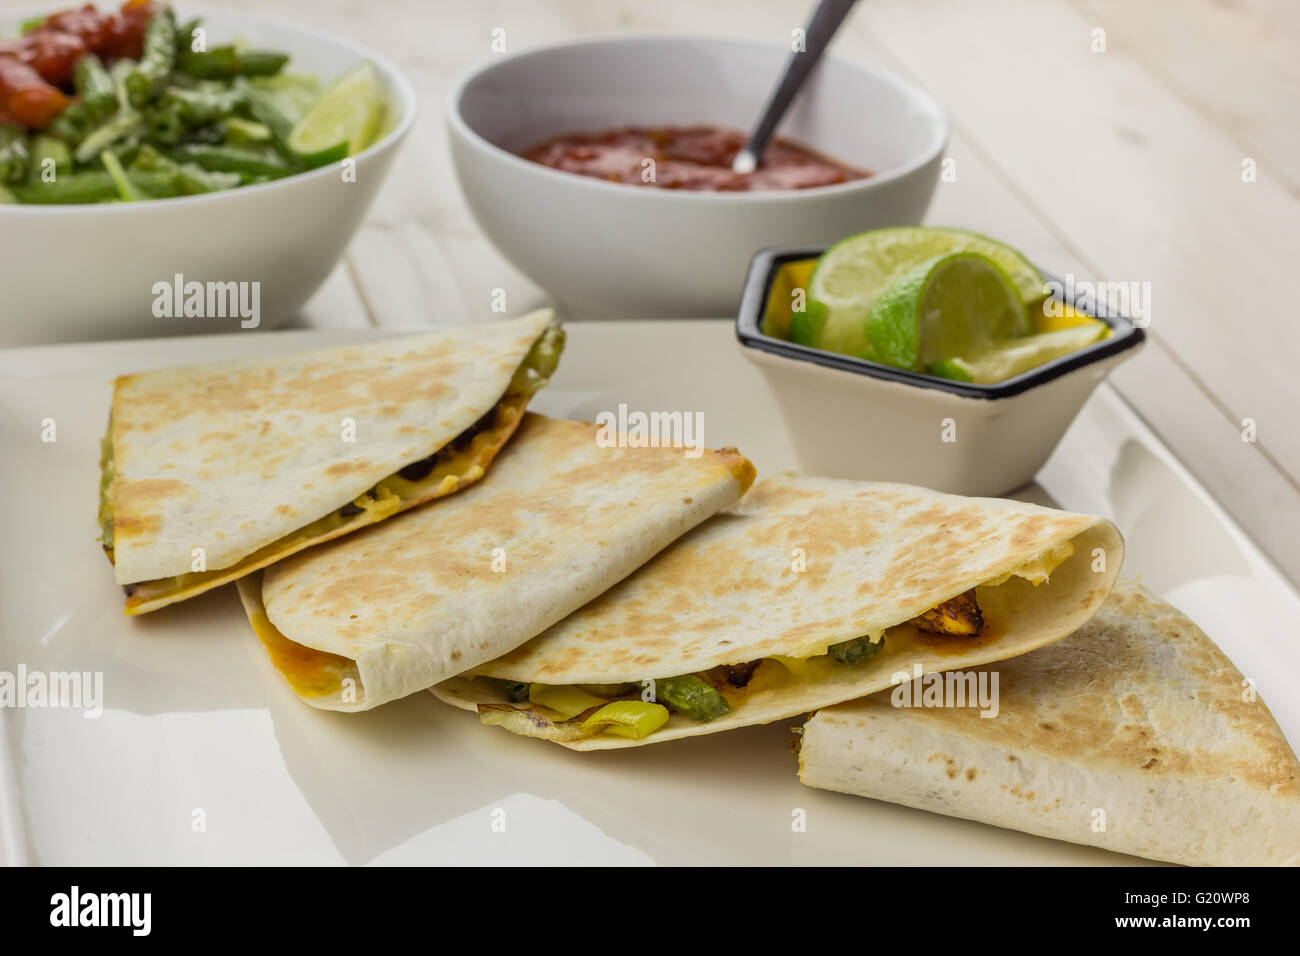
(1121, 693)
(971, 773)
(341, 468)
(133, 526)
(749, 569)
(421, 383)
(135, 504)
(1030, 530)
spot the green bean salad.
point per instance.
(184, 117)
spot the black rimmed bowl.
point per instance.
(852, 418)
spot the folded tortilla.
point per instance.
(563, 516)
(1137, 720)
(767, 603)
(213, 471)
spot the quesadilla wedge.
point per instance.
(808, 592)
(1135, 734)
(397, 608)
(210, 472)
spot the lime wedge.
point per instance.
(344, 121)
(857, 269)
(1004, 360)
(852, 274)
(949, 306)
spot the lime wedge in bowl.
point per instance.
(344, 121)
(1004, 360)
(854, 272)
(949, 306)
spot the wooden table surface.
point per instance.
(1123, 164)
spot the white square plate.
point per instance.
(203, 756)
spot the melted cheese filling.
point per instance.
(813, 662)
(311, 673)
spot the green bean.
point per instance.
(164, 124)
(213, 134)
(149, 159)
(187, 178)
(92, 81)
(126, 189)
(261, 63)
(118, 72)
(116, 129)
(15, 157)
(71, 125)
(54, 150)
(219, 63)
(242, 132)
(856, 650)
(267, 112)
(94, 186)
(149, 77)
(691, 696)
(201, 106)
(225, 63)
(233, 159)
(192, 178)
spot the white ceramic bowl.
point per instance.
(620, 251)
(72, 273)
(850, 418)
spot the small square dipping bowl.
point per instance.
(852, 418)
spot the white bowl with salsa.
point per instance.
(553, 149)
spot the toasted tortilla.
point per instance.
(1138, 714)
(874, 557)
(213, 471)
(397, 608)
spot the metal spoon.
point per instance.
(825, 22)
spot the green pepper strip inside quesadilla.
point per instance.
(707, 696)
(452, 467)
(569, 713)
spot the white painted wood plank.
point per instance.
(1235, 62)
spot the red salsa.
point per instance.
(688, 157)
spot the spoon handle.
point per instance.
(821, 28)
